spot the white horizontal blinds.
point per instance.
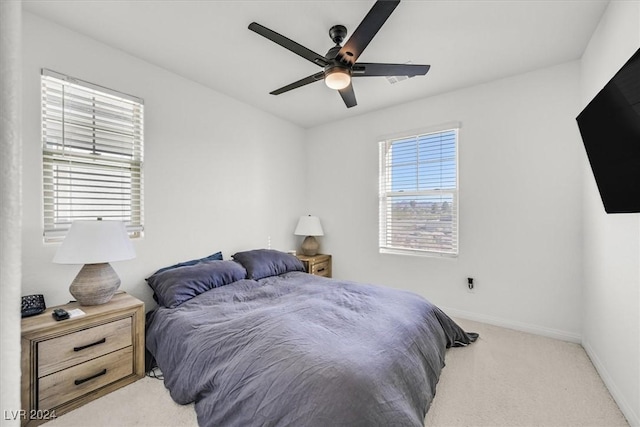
(92, 151)
(419, 194)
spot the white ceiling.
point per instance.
(465, 42)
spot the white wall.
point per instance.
(10, 207)
(219, 175)
(520, 201)
(611, 319)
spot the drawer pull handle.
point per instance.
(320, 269)
(84, 380)
(102, 341)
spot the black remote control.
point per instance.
(60, 314)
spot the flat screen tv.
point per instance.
(610, 129)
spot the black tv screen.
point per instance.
(610, 129)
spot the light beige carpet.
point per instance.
(511, 378)
(506, 378)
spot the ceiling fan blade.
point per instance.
(289, 44)
(348, 96)
(302, 82)
(367, 29)
(365, 69)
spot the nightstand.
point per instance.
(319, 265)
(68, 363)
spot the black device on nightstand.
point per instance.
(32, 305)
(60, 314)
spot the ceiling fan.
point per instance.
(339, 64)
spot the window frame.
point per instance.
(92, 155)
(385, 193)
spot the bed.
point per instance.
(256, 341)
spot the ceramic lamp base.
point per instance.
(310, 246)
(95, 284)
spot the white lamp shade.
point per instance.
(309, 226)
(93, 242)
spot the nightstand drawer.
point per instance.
(319, 265)
(320, 268)
(78, 347)
(79, 380)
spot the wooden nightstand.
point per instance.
(68, 363)
(319, 264)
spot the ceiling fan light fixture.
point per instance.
(341, 61)
(337, 78)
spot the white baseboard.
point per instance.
(518, 326)
(632, 417)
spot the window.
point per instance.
(419, 194)
(92, 155)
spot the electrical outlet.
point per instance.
(471, 286)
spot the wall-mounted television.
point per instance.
(610, 129)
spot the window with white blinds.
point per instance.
(92, 155)
(419, 194)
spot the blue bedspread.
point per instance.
(301, 350)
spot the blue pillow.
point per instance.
(177, 285)
(216, 256)
(261, 263)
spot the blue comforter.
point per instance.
(302, 350)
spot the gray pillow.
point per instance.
(216, 256)
(261, 263)
(177, 285)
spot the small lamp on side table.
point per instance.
(95, 244)
(309, 226)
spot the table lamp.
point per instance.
(95, 244)
(309, 226)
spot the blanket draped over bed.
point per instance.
(302, 350)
